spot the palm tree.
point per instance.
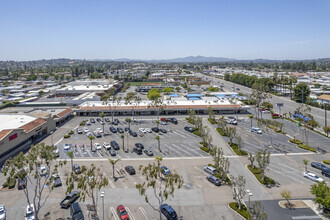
(113, 163)
(305, 163)
(251, 117)
(158, 139)
(128, 120)
(157, 122)
(91, 138)
(123, 138)
(70, 154)
(102, 115)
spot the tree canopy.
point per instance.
(301, 92)
(167, 90)
(153, 94)
(213, 89)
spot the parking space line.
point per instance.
(284, 174)
(291, 173)
(130, 214)
(114, 213)
(171, 149)
(144, 212)
(121, 181)
(109, 179)
(181, 150)
(179, 134)
(195, 150)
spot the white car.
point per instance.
(43, 170)
(143, 130)
(99, 130)
(163, 122)
(29, 214)
(2, 212)
(312, 177)
(148, 130)
(257, 130)
(97, 146)
(66, 146)
(106, 146)
(266, 111)
(86, 130)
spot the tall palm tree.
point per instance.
(158, 139)
(113, 163)
(91, 138)
(70, 154)
(123, 138)
(102, 115)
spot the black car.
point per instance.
(137, 150)
(57, 180)
(120, 130)
(107, 119)
(148, 152)
(139, 145)
(92, 120)
(130, 170)
(155, 129)
(169, 212)
(127, 129)
(190, 129)
(163, 130)
(133, 133)
(21, 183)
(76, 212)
(173, 120)
(319, 166)
(326, 172)
(115, 121)
(114, 145)
(113, 130)
(214, 180)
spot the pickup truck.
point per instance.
(69, 199)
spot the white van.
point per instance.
(210, 170)
(255, 129)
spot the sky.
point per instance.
(164, 29)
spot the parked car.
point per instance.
(155, 129)
(56, 152)
(139, 145)
(130, 170)
(99, 130)
(29, 213)
(127, 129)
(214, 180)
(148, 152)
(190, 129)
(148, 130)
(122, 213)
(168, 211)
(326, 172)
(21, 183)
(86, 130)
(107, 120)
(2, 212)
(89, 134)
(137, 150)
(97, 146)
(57, 180)
(92, 120)
(79, 131)
(257, 130)
(67, 146)
(112, 152)
(143, 130)
(233, 122)
(114, 145)
(69, 199)
(120, 130)
(113, 129)
(165, 170)
(133, 133)
(76, 169)
(164, 119)
(317, 165)
(76, 212)
(163, 130)
(173, 120)
(115, 121)
(210, 170)
(312, 176)
(102, 122)
(97, 134)
(106, 146)
(163, 122)
(43, 170)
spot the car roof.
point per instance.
(120, 207)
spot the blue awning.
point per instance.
(194, 95)
(173, 95)
(194, 98)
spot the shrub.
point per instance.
(272, 127)
(67, 136)
(275, 117)
(212, 121)
(295, 141)
(206, 149)
(243, 212)
(191, 121)
(257, 173)
(236, 150)
(83, 123)
(202, 143)
(254, 170)
(220, 131)
(283, 132)
(304, 146)
(196, 132)
(326, 162)
(70, 133)
(277, 130)
(10, 183)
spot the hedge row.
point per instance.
(326, 162)
(206, 149)
(243, 211)
(221, 132)
(212, 121)
(236, 150)
(296, 141)
(10, 183)
(196, 132)
(257, 173)
(301, 145)
(191, 121)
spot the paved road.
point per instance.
(289, 105)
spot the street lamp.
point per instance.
(102, 196)
(249, 194)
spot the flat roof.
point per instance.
(14, 121)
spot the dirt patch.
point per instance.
(293, 204)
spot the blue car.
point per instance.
(165, 170)
(169, 212)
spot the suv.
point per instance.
(190, 129)
(257, 130)
(113, 130)
(148, 152)
(92, 120)
(115, 121)
(133, 133)
(173, 120)
(210, 170)
(214, 180)
(139, 145)
(155, 129)
(76, 212)
(137, 150)
(169, 212)
(114, 145)
(130, 170)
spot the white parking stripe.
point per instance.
(120, 179)
(129, 213)
(171, 149)
(177, 147)
(179, 134)
(110, 182)
(114, 213)
(193, 149)
(281, 173)
(144, 212)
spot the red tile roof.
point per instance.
(4, 133)
(33, 124)
(66, 111)
(324, 97)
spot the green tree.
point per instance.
(326, 130)
(211, 113)
(251, 117)
(322, 194)
(286, 194)
(71, 155)
(162, 186)
(113, 163)
(238, 187)
(221, 162)
(27, 166)
(153, 94)
(231, 133)
(263, 160)
(89, 182)
(301, 92)
(177, 89)
(128, 120)
(123, 138)
(41, 92)
(213, 89)
(258, 212)
(251, 159)
(91, 138)
(129, 100)
(158, 141)
(167, 90)
(314, 124)
(259, 95)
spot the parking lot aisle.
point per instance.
(273, 169)
(171, 150)
(187, 134)
(177, 133)
(184, 152)
(288, 171)
(188, 148)
(113, 213)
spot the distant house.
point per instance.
(323, 99)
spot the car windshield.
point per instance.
(30, 214)
(1, 212)
(123, 212)
(317, 177)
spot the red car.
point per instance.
(122, 213)
(164, 119)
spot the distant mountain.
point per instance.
(196, 59)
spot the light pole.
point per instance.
(102, 196)
(249, 194)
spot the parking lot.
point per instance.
(175, 143)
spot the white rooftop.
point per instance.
(8, 121)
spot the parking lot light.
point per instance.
(249, 194)
(102, 196)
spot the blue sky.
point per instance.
(161, 29)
